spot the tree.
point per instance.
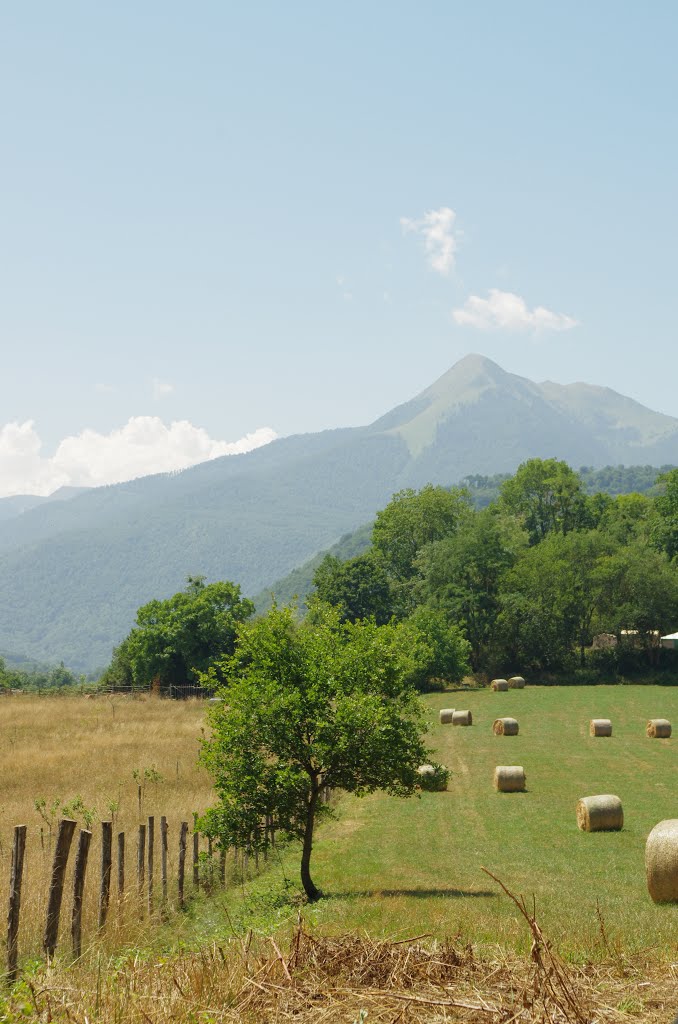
(442, 653)
(546, 495)
(307, 705)
(177, 639)
(410, 521)
(549, 599)
(463, 573)
(665, 519)
(358, 587)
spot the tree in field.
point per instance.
(177, 639)
(546, 496)
(307, 705)
(358, 587)
(410, 521)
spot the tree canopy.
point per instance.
(176, 640)
(307, 705)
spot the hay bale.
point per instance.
(509, 778)
(600, 727)
(446, 716)
(499, 684)
(659, 728)
(661, 861)
(600, 813)
(516, 683)
(462, 718)
(505, 727)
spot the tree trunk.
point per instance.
(306, 880)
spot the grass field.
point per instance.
(394, 868)
(401, 867)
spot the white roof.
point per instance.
(670, 636)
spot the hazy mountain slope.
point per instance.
(17, 504)
(74, 594)
(72, 573)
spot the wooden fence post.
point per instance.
(121, 864)
(163, 856)
(183, 835)
(15, 880)
(150, 836)
(56, 887)
(78, 889)
(106, 865)
(141, 853)
(196, 859)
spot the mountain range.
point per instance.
(74, 571)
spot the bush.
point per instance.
(434, 777)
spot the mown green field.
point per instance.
(403, 867)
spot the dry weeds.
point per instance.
(320, 980)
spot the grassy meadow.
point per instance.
(393, 868)
(401, 867)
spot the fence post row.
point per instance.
(16, 877)
(145, 875)
(78, 889)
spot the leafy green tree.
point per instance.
(546, 496)
(665, 518)
(463, 574)
(410, 521)
(307, 705)
(626, 517)
(550, 597)
(443, 656)
(177, 639)
(358, 587)
(640, 593)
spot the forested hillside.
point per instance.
(73, 572)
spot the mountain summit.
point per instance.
(73, 573)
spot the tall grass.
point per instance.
(115, 758)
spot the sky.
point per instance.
(222, 222)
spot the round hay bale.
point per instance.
(600, 813)
(462, 718)
(446, 716)
(600, 727)
(505, 727)
(659, 728)
(426, 769)
(516, 683)
(499, 684)
(509, 778)
(433, 777)
(661, 861)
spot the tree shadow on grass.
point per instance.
(416, 893)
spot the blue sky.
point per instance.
(218, 213)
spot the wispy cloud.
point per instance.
(142, 446)
(436, 227)
(506, 311)
(160, 388)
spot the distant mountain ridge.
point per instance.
(72, 573)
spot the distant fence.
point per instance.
(148, 858)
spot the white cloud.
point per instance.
(437, 229)
(160, 388)
(144, 445)
(504, 310)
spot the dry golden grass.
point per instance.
(59, 748)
